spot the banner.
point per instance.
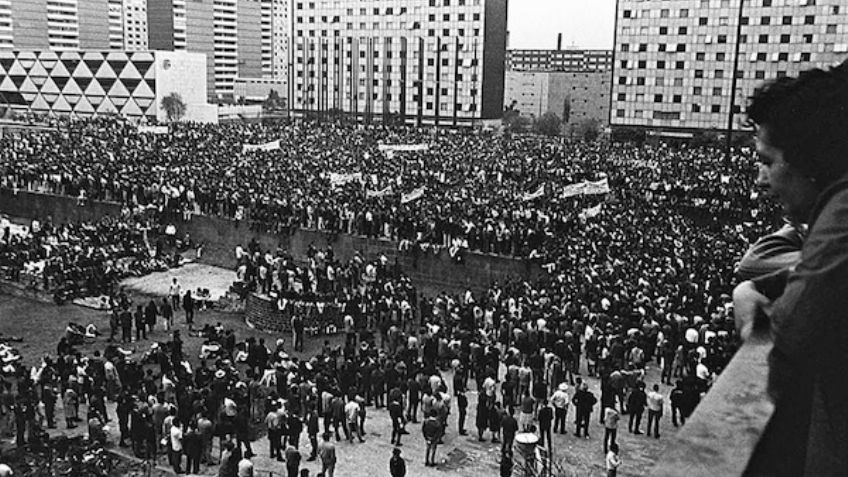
(153, 129)
(597, 187)
(412, 196)
(403, 147)
(268, 146)
(528, 196)
(338, 180)
(573, 190)
(376, 194)
(590, 212)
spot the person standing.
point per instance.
(175, 292)
(292, 461)
(509, 427)
(273, 424)
(327, 453)
(126, 326)
(140, 324)
(676, 400)
(312, 431)
(397, 466)
(432, 429)
(655, 411)
(546, 416)
(396, 414)
(193, 448)
(560, 401)
(611, 418)
(167, 314)
(462, 406)
(583, 401)
(636, 403)
(613, 461)
(176, 448)
(188, 306)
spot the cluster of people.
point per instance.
(473, 190)
(81, 259)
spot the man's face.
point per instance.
(793, 189)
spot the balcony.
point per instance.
(727, 434)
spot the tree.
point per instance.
(548, 124)
(513, 121)
(566, 110)
(272, 102)
(174, 106)
(589, 129)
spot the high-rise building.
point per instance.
(238, 36)
(559, 60)
(674, 61)
(72, 25)
(434, 61)
(576, 97)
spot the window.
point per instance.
(761, 56)
(622, 97)
(619, 113)
(762, 39)
(643, 47)
(682, 31)
(696, 108)
(640, 81)
(719, 74)
(658, 98)
(700, 56)
(810, 20)
(679, 65)
(664, 13)
(759, 74)
(717, 91)
(699, 73)
(745, 20)
(716, 108)
(783, 56)
(765, 20)
(642, 64)
(623, 64)
(722, 38)
(766, 3)
(831, 29)
(696, 91)
(663, 30)
(808, 38)
(625, 47)
(622, 80)
(681, 48)
(661, 47)
(677, 98)
(660, 81)
(660, 65)
(806, 56)
(627, 14)
(684, 13)
(787, 19)
(702, 21)
(785, 38)
(719, 56)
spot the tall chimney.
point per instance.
(559, 41)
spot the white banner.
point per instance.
(528, 196)
(597, 187)
(376, 194)
(415, 194)
(153, 129)
(573, 190)
(403, 147)
(268, 146)
(591, 212)
(338, 180)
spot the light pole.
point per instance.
(733, 82)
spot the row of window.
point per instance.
(432, 3)
(705, 4)
(721, 56)
(446, 17)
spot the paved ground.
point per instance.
(191, 277)
(41, 326)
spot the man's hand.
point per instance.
(747, 304)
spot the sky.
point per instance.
(583, 23)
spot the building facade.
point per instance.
(674, 60)
(559, 60)
(576, 97)
(240, 38)
(131, 84)
(424, 61)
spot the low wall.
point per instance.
(429, 272)
(262, 312)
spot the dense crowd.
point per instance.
(478, 186)
(646, 279)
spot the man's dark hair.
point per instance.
(806, 118)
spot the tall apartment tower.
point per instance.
(237, 36)
(433, 61)
(674, 61)
(71, 25)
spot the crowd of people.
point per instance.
(646, 278)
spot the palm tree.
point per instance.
(174, 106)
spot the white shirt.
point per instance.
(176, 438)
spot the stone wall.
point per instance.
(429, 272)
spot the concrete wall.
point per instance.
(429, 272)
(249, 31)
(29, 24)
(93, 25)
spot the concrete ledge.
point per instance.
(723, 433)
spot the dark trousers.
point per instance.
(583, 423)
(396, 431)
(559, 419)
(193, 463)
(654, 422)
(126, 335)
(545, 436)
(635, 421)
(274, 444)
(462, 413)
(506, 446)
(313, 441)
(609, 438)
(140, 332)
(177, 461)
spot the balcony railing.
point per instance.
(725, 433)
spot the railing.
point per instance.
(724, 434)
